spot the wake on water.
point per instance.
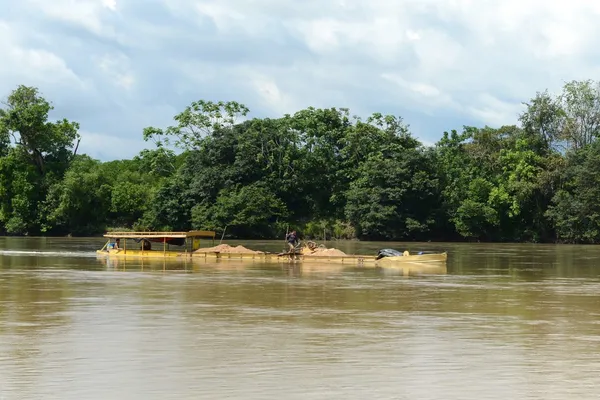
(36, 253)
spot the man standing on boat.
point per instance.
(292, 240)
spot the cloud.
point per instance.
(35, 64)
(107, 147)
(117, 66)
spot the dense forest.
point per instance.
(320, 171)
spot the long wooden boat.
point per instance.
(365, 260)
(139, 245)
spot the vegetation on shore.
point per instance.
(320, 171)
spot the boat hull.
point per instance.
(412, 259)
(143, 253)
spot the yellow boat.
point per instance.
(189, 244)
(186, 242)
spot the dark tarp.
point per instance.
(171, 241)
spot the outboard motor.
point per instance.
(388, 253)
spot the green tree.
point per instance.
(494, 185)
(543, 119)
(80, 203)
(575, 210)
(248, 211)
(40, 153)
(25, 119)
(395, 194)
(571, 118)
(19, 194)
(197, 121)
(581, 105)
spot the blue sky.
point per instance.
(117, 66)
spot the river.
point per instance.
(504, 322)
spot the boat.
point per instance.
(189, 247)
(139, 244)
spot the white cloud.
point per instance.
(85, 13)
(270, 93)
(108, 146)
(412, 35)
(29, 65)
(425, 96)
(494, 112)
(110, 4)
(223, 16)
(118, 66)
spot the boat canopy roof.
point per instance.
(148, 235)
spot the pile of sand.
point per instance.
(320, 251)
(225, 248)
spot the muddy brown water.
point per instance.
(504, 322)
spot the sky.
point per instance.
(117, 66)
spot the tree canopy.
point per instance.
(320, 171)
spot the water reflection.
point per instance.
(291, 268)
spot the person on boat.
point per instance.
(292, 240)
(114, 246)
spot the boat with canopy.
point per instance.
(188, 245)
(168, 244)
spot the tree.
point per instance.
(197, 121)
(158, 163)
(543, 119)
(40, 153)
(20, 195)
(572, 118)
(575, 210)
(494, 186)
(581, 105)
(394, 195)
(4, 136)
(319, 140)
(25, 119)
(247, 211)
(80, 203)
